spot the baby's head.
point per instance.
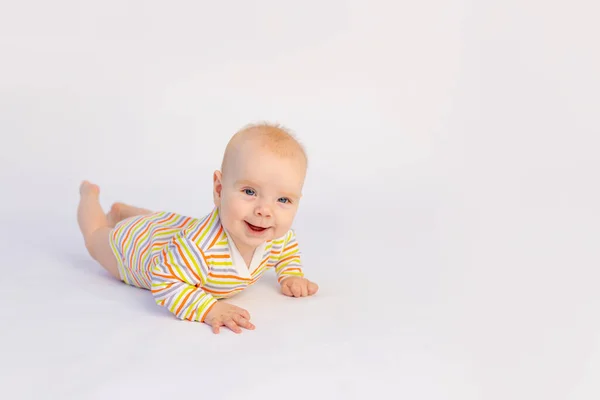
(260, 184)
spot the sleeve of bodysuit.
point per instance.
(178, 276)
(289, 262)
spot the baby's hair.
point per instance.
(272, 136)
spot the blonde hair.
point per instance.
(274, 137)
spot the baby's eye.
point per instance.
(249, 192)
(284, 200)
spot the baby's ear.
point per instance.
(217, 188)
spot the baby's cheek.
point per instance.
(281, 231)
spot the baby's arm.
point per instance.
(177, 280)
(289, 263)
(289, 270)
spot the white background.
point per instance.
(450, 213)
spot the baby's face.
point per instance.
(259, 196)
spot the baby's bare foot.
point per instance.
(88, 188)
(114, 215)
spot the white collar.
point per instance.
(238, 261)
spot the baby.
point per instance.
(188, 264)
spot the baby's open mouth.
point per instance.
(254, 227)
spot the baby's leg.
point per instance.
(95, 228)
(120, 211)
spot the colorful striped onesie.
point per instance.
(189, 263)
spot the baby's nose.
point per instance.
(263, 211)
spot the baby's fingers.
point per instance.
(243, 313)
(304, 287)
(230, 323)
(285, 289)
(243, 322)
(215, 325)
(312, 288)
(297, 289)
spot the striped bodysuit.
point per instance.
(188, 263)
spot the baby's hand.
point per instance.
(298, 287)
(224, 314)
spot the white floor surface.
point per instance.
(450, 215)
